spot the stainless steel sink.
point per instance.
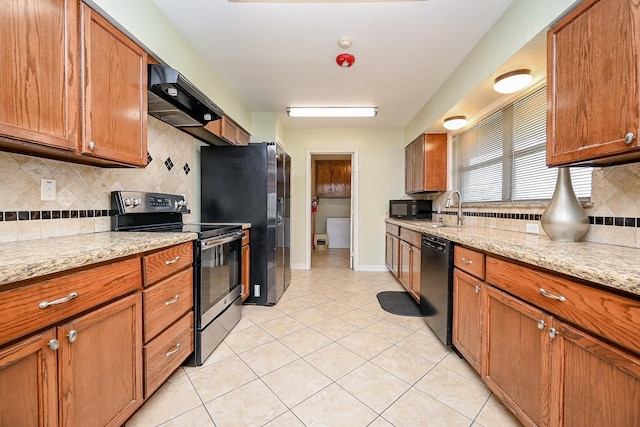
(443, 225)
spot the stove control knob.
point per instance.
(182, 203)
(127, 202)
(137, 202)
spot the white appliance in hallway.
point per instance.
(339, 232)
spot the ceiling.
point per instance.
(274, 55)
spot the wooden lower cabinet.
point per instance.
(392, 249)
(28, 382)
(516, 348)
(100, 365)
(409, 268)
(246, 266)
(594, 384)
(467, 316)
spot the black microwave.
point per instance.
(410, 209)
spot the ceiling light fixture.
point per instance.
(512, 81)
(345, 42)
(454, 122)
(332, 111)
(345, 60)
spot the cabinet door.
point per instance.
(414, 270)
(593, 87)
(100, 360)
(39, 85)
(28, 388)
(594, 383)
(246, 272)
(516, 355)
(404, 265)
(114, 93)
(467, 316)
(333, 178)
(392, 250)
(408, 168)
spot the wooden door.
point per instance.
(434, 172)
(593, 90)
(28, 382)
(39, 86)
(404, 265)
(414, 272)
(114, 93)
(418, 162)
(467, 316)
(516, 355)
(595, 384)
(100, 360)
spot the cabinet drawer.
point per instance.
(393, 229)
(608, 315)
(161, 264)
(469, 260)
(164, 354)
(245, 237)
(20, 307)
(165, 302)
(413, 237)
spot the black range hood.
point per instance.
(176, 101)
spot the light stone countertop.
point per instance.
(29, 259)
(611, 266)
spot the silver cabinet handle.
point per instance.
(172, 261)
(628, 138)
(45, 304)
(466, 261)
(172, 301)
(552, 296)
(175, 349)
(53, 344)
(553, 332)
(541, 324)
(477, 289)
(72, 335)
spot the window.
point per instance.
(503, 158)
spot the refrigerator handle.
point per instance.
(280, 209)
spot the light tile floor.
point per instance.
(327, 355)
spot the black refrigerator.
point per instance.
(251, 184)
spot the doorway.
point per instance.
(331, 218)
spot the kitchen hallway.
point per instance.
(327, 355)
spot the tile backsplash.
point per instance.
(83, 193)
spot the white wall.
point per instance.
(381, 177)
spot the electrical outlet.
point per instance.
(47, 189)
(533, 228)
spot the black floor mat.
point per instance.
(400, 303)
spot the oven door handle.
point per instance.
(217, 241)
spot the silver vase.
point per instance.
(564, 219)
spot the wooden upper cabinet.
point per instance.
(114, 97)
(39, 86)
(229, 131)
(593, 72)
(426, 164)
(333, 178)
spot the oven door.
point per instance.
(219, 279)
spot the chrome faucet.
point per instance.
(448, 205)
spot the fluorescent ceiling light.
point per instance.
(319, 1)
(455, 122)
(332, 111)
(512, 81)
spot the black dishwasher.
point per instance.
(436, 285)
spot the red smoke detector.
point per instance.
(345, 60)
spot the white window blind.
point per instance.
(503, 158)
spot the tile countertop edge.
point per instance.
(616, 267)
(29, 259)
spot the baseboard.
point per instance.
(295, 266)
(372, 268)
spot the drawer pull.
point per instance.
(552, 296)
(466, 261)
(172, 301)
(174, 351)
(45, 304)
(172, 261)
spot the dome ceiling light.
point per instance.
(454, 122)
(513, 81)
(345, 60)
